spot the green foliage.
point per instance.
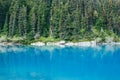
(47, 39)
(3, 38)
(30, 36)
(15, 39)
(71, 20)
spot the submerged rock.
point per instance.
(50, 44)
(93, 43)
(111, 43)
(85, 44)
(70, 44)
(9, 44)
(38, 44)
(63, 44)
(117, 43)
(60, 43)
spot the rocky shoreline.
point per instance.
(62, 44)
(9, 44)
(82, 44)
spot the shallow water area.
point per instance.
(60, 63)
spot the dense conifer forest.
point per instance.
(70, 20)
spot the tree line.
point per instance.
(64, 19)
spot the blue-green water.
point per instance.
(54, 63)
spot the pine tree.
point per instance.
(13, 18)
(33, 22)
(5, 30)
(22, 22)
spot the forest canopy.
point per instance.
(60, 19)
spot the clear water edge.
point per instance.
(55, 63)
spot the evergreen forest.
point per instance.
(70, 20)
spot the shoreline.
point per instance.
(61, 44)
(68, 44)
(9, 44)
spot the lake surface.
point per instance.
(55, 63)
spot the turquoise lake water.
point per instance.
(55, 63)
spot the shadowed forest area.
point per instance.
(71, 20)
